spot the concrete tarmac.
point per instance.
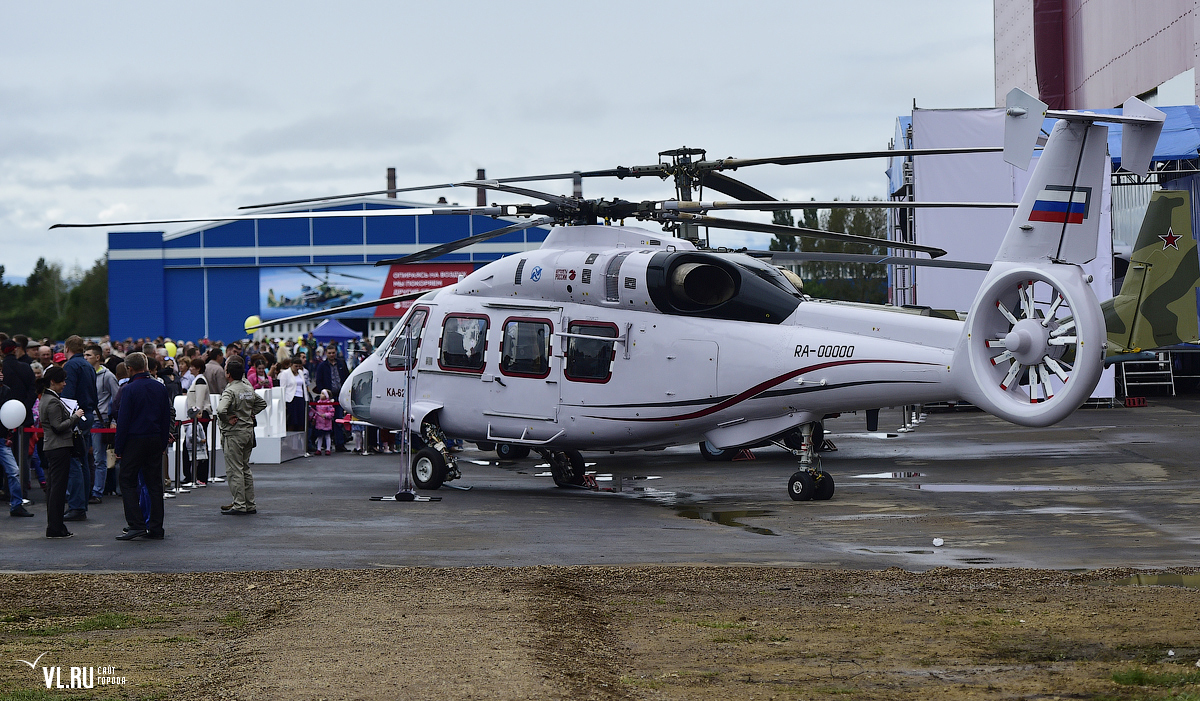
(1105, 488)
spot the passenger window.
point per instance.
(590, 359)
(464, 339)
(409, 339)
(525, 349)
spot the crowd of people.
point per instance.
(103, 417)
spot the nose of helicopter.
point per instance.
(355, 396)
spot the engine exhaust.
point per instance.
(702, 284)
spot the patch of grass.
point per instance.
(641, 683)
(103, 621)
(983, 622)
(1151, 696)
(21, 615)
(1142, 677)
(233, 619)
(779, 638)
(719, 624)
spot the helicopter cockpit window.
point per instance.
(525, 349)
(590, 359)
(409, 339)
(464, 339)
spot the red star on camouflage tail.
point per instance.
(1170, 239)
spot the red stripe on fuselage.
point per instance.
(764, 386)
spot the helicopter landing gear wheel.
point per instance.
(428, 469)
(508, 451)
(824, 487)
(802, 486)
(567, 468)
(712, 453)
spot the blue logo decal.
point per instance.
(536, 274)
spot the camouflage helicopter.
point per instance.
(322, 296)
(1156, 306)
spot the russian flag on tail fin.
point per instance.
(1062, 204)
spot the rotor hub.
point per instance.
(1027, 341)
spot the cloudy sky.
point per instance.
(148, 109)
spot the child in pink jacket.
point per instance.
(321, 416)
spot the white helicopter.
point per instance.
(620, 338)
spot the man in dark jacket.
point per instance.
(143, 433)
(19, 377)
(329, 376)
(81, 387)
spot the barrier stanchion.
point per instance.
(179, 459)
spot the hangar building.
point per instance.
(205, 281)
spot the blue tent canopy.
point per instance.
(334, 330)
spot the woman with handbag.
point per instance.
(59, 424)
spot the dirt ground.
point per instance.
(601, 633)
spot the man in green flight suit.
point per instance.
(235, 412)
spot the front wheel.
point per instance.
(712, 453)
(428, 469)
(801, 486)
(567, 468)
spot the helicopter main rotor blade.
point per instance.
(775, 205)
(735, 163)
(821, 257)
(443, 249)
(507, 210)
(419, 188)
(338, 310)
(494, 185)
(658, 170)
(734, 188)
(779, 229)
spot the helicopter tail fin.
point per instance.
(1157, 303)
(1033, 344)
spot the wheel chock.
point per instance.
(744, 454)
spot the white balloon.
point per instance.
(12, 414)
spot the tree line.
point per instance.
(852, 282)
(55, 303)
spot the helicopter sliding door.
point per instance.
(524, 390)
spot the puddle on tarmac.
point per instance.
(729, 518)
(987, 488)
(887, 475)
(1191, 581)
